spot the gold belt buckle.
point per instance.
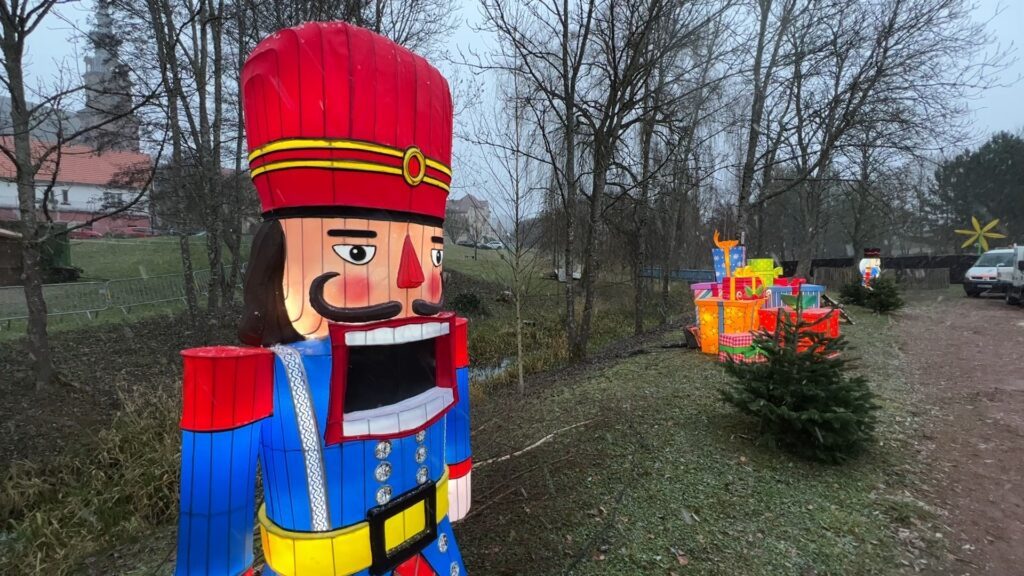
(390, 522)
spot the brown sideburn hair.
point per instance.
(265, 319)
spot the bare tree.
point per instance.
(19, 19)
(515, 179)
(420, 25)
(844, 63)
(547, 43)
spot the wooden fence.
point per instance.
(909, 278)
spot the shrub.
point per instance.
(853, 293)
(806, 401)
(467, 303)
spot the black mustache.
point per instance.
(424, 308)
(336, 314)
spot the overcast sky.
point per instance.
(53, 45)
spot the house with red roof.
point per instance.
(85, 183)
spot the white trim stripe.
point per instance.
(309, 435)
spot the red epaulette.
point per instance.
(461, 342)
(226, 387)
(456, 471)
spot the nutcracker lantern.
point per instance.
(351, 391)
(870, 266)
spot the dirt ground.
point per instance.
(966, 360)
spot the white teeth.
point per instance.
(409, 333)
(380, 336)
(355, 338)
(407, 415)
(398, 335)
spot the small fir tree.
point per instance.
(884, 296)
(803, 394)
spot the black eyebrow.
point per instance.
(437, 239)
(353, 233)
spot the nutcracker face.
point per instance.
(867, 264)
(356, 270)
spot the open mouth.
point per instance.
(398, 377)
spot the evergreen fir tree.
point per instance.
(884, 296)
(803, 394)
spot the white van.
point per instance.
(984, 275)
(1013, 277)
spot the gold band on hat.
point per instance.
(404, 170)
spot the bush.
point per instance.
(853, 293)
(467, 304)
(806, 401)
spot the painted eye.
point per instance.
(355, 253)
(437, 256)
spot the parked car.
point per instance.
(984, 275)
(1013, 278)
(491, 245)
(466, 242)
(134, 232)
(84, 234)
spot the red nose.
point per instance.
(410, 273)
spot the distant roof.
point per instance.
(470, 200)
(83, 165)
(47, 122)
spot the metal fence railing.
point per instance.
(91, 298)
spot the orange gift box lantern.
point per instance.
(719, 316)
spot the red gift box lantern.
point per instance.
(817, 320)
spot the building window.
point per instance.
(64, 196)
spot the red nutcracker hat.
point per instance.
(342, 120)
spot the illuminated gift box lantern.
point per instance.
(742, 288)
(720, 316)
(727, 257)
(702, 290)
(817, 320)
(810, 295)
(763, 268)
(738, 348)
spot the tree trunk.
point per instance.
(188, 278)
(602, 159)
(569, 171)
(520, 376)
(640, 221)
(754, 127)
(31, 257)
(672, 244)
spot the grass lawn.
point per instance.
(662, 477)
(107, 259)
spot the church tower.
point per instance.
(108, 90)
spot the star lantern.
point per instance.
(979, 235)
